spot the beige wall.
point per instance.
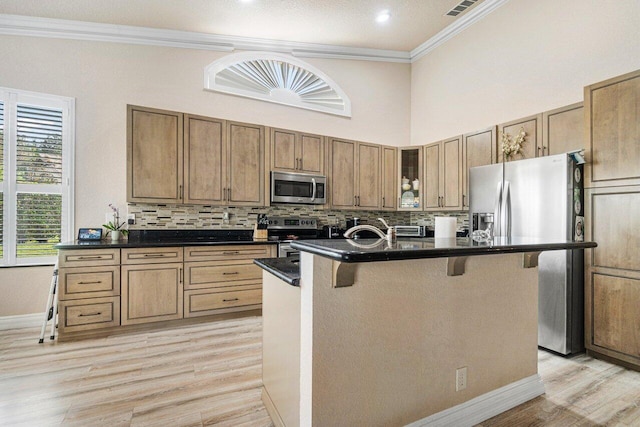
(524, 58)
(104, 77)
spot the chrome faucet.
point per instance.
(390, 235)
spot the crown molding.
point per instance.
(462, 23)
(18, 25)
(79, 30)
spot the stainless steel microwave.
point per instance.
(298, 188)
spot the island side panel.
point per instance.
(281, 350)
(385, 350)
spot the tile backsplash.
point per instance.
(152, 216)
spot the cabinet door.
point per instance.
(368, 169)
(451, 191)
(613, 129)
(311, 153)
(343, 159)
(389, 172)
(246, 164)
(154, 155)
(532, 146)
(410, 168)
(151, 293)
(284, 155)
(562, 130)
(432, 154)
(204, 152)
(478, 149)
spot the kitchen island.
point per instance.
(420, 332)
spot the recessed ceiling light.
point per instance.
(246, 1)
(383, 16)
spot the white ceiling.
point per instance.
(348, 23)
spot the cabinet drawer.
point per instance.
(151, 255)
(90, 313)
(214, 253)
(211, 274)
(203, 302)
(89, 282)
(88, 257)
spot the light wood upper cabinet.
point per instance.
(389, 177)
(154, 155)
(443, 175)
(245, 160)
(206, 161)
(478, 149)
(613, 130)
(562, 129)
(204, 152)
(296, 151)
(532, 146)
(355, 175)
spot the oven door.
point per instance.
(285, 250)
(298, 188)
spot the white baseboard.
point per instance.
(22, 321)
(487, 405)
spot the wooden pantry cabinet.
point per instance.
(355, 174)
(612, 208)
(223, 279)
(443, 175)
(297, 151)
(180, 158)
(88, 289)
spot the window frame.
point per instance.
(10, 188)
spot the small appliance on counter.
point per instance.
(332, 232)
(410, 230)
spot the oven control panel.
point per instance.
(295, 223)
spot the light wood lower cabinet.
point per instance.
(88, 289)
(152, 284)
(223, 278)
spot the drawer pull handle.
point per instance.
(230, 299)
(90, 257)
(230, 252)
(154, 255)
(90, 314)
(230, 273)
(90, 283)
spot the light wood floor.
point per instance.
(210, 374)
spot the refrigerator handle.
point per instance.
(506, 208)
(497, 215)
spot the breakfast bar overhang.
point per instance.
(380, 334)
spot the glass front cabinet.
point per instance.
(410, 179)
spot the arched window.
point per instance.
(277, 78)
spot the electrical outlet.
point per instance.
(225, 217)
(131, 219)
(461, 378)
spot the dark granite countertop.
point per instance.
(286, 269)
(160, 238)
(371, 250)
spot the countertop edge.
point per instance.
(271, 265)
(105, 244)
(397, 255)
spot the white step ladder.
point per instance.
(51, 310)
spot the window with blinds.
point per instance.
(37, 135)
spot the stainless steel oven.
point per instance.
(286, 229)
(298, 188)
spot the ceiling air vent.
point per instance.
(277, 78)
(461, 7)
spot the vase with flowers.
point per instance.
(510, 147)
(115, 227)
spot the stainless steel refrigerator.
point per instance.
(540, 198)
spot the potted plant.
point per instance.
(115, 227)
